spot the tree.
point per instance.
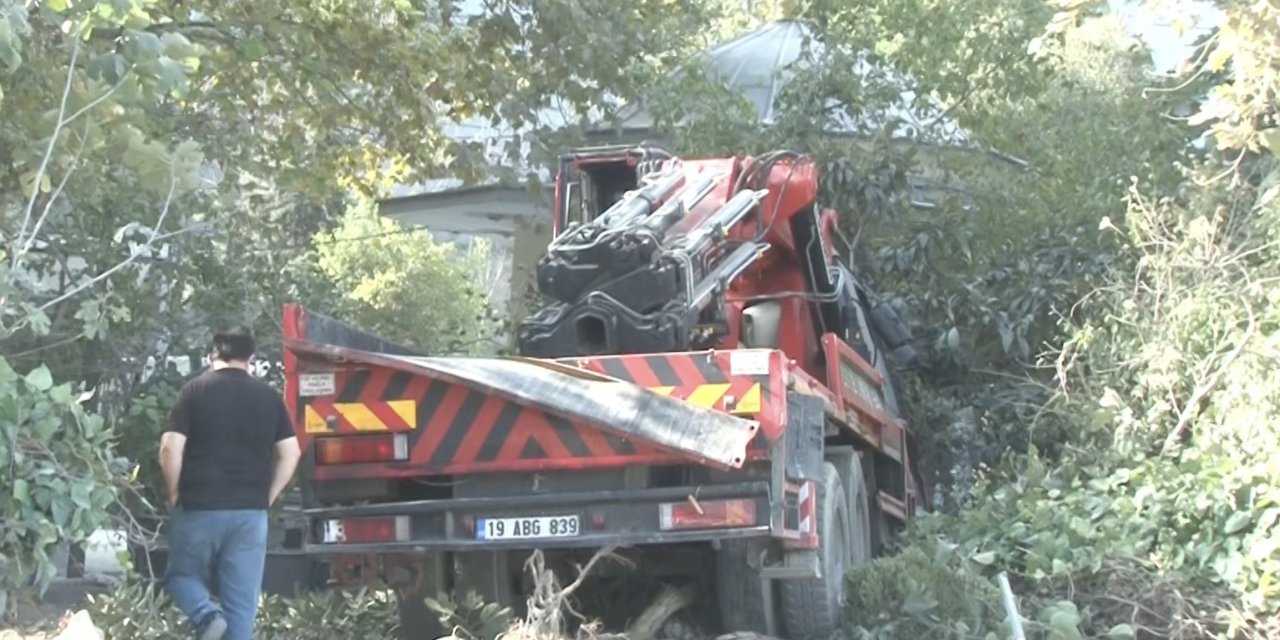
(1107, 310)
(164, 166)
(403, 286)
(987, 274)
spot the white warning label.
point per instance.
(748, 363)
(317, 384)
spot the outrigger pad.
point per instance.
(623, 408)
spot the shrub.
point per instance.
(912, 595)
(140, 610)
(60, 475)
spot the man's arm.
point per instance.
(172, 444)
(288, 453)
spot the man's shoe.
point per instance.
(214, 628)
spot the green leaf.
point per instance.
(918, 604)
(80, 496)
(1121, 632)
(145, 45)
(254, 49)
(1270, 139)
(61, 510)
(1237, 522)
(40, 378)
(171, 75)
(61, 394)
(21, 492)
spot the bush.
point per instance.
(140, 610)
(60, 474)
(912, 595)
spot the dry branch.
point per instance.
(667, 604)
(549, 603)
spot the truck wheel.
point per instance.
(739, 594)
(811, 608)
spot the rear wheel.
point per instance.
(811, 608)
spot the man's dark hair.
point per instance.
(233, 345)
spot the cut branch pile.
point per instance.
(550, 605)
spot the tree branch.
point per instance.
(48, 152)
(53, 197)
(133, 256)
(1191, 410)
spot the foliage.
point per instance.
(59, 474)
(911, 595)
(1010, 241)
(944, 594)
(140, 610)
(1009, 244)
(471, 617)
(330, 614)
(139, 431)
(1146, 461)
(165, 166)
(405, 287)
(1168, 376)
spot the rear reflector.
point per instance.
(713, 514)
(383, 447)
(366, 530)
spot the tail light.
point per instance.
(713, 514)
(387, 447)
(366, 530)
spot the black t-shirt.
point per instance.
(232, 422)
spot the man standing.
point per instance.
(217, 459)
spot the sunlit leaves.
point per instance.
(402, 285)
(13, 28)
(61, 481)
(140, 610)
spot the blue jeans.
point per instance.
(230, 544)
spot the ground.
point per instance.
(39, 621)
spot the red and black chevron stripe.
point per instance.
(458, 429)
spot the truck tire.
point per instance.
(739, 594)
(811, 608)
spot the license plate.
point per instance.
(526, 528)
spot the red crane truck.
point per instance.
(708, 388)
